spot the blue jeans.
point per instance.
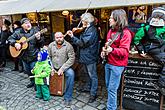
(91, 68)
(69, 74)
(112, 81)
(28, 67)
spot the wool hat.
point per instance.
(18, 23)
(7, 22)
(23, 20)
(43, 55)
(158, 12)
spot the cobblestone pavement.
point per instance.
(15, 96)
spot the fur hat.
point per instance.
(23, 20)
(18, 23)
(43, 55)
(158, 12)
(7, 22)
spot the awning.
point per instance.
(23, 6)
(59, 5)
(26, 6)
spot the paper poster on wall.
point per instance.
(105, 13)
(32, 17)
(137, 14)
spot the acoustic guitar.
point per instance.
(24, 44)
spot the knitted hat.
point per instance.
(7, 22)
(158, 12)
(18, 23)
(43, 55)
(23, 20)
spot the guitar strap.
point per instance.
(114, 37)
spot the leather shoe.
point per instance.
(30, 85)
(14, 69)
(20, 71)
(67, 104)
(92, 99)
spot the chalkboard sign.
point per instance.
(139, 92)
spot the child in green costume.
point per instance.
(41, 71)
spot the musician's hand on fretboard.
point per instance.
(38, 35)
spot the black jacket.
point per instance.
(88, 44)
(4, 36)
(29, 54)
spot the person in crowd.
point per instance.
(88, 44)
(29, 55)
(150, 38)
(62, 56)
(17, 61)
(117, 54)
(41, 71)
(5, 33)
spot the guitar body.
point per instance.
(24, 44)
(14, 52)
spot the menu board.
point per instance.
(139, 92)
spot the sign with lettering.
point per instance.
(139, 92)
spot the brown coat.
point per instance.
(63, 57)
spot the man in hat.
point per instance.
(154, 35)
(29, 56)
(7, 22)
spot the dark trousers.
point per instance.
(18, 62)
(3, 55)
(28, 66)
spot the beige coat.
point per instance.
(63, 57)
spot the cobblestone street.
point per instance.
(15, 96)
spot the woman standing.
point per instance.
(117, 54)
(3, 41)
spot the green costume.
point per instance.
(42, 71)
(143, 41)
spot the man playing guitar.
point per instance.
(29, 55)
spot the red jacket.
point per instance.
(121, 46)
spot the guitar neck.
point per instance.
(30, 38)
(33, 36)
